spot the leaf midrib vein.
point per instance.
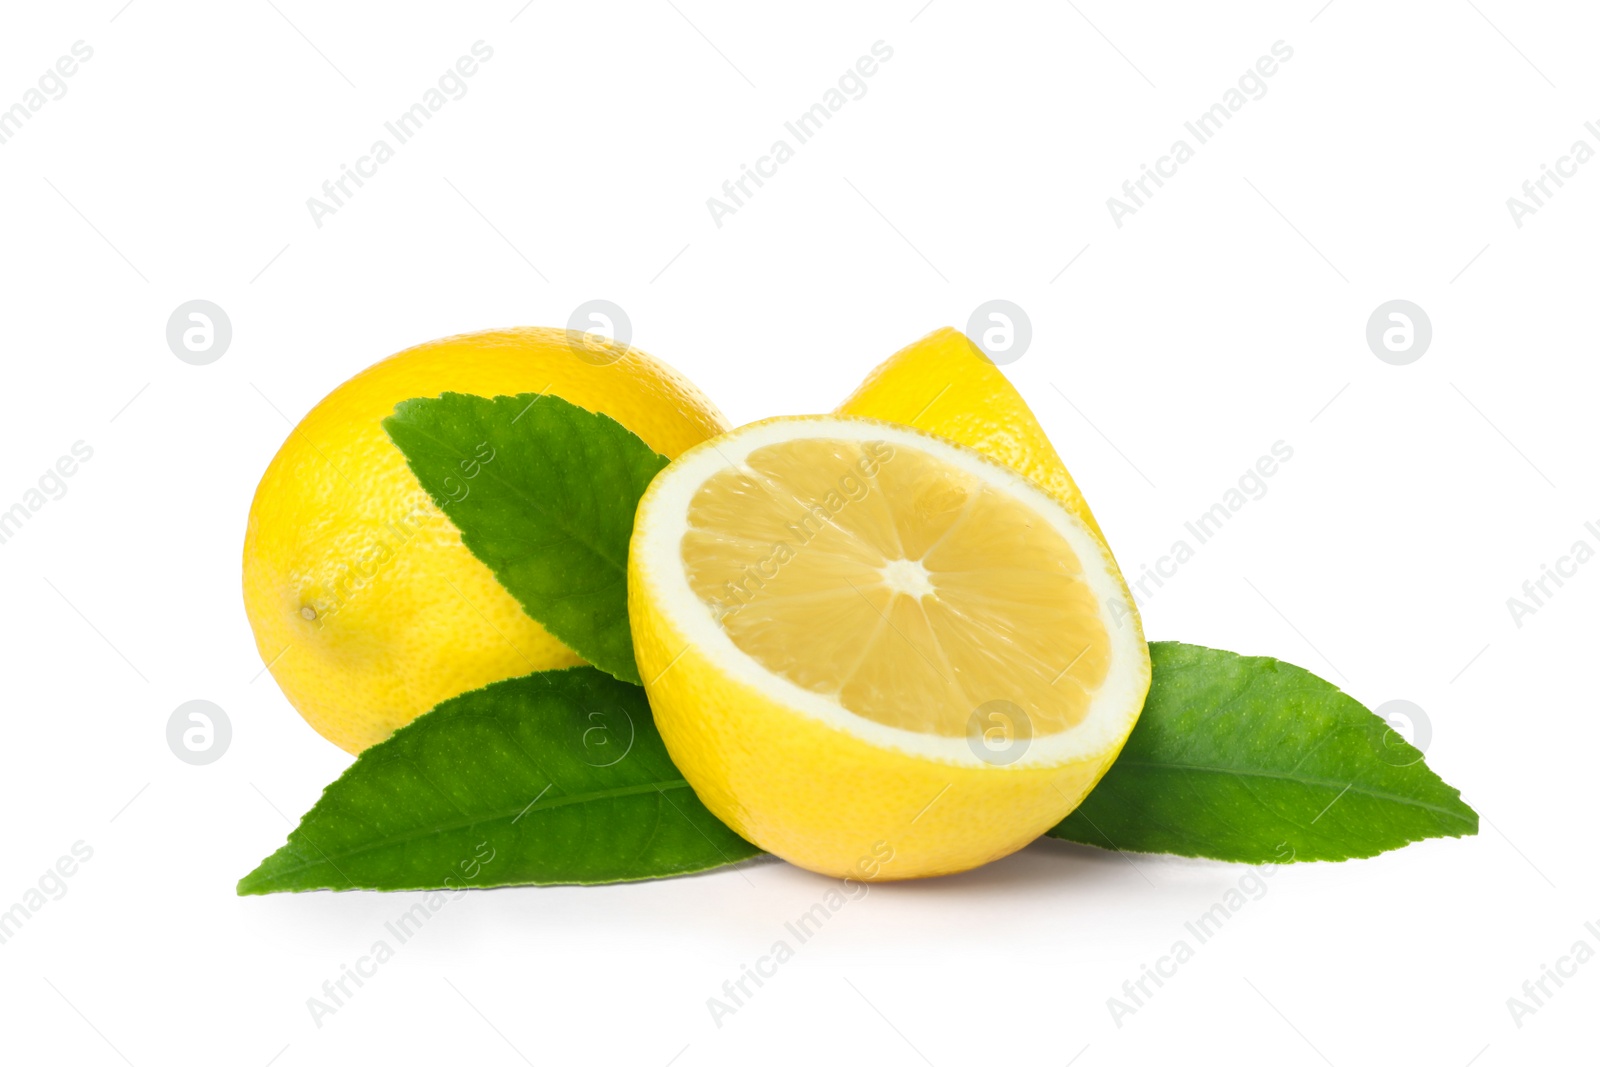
(433, 831)
(1281, 776)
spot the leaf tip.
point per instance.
(251, 885)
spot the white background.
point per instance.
(1227, 314)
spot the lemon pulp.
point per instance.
(908, 590)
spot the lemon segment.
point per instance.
(859, 638)
(945, 385)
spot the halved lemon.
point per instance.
(877, 653)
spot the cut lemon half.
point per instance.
(876, 653)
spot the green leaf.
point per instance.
(1253, 760)
(555, 778)
(544, 493)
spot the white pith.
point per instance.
(663, 520)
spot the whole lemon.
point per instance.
(366, 606)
